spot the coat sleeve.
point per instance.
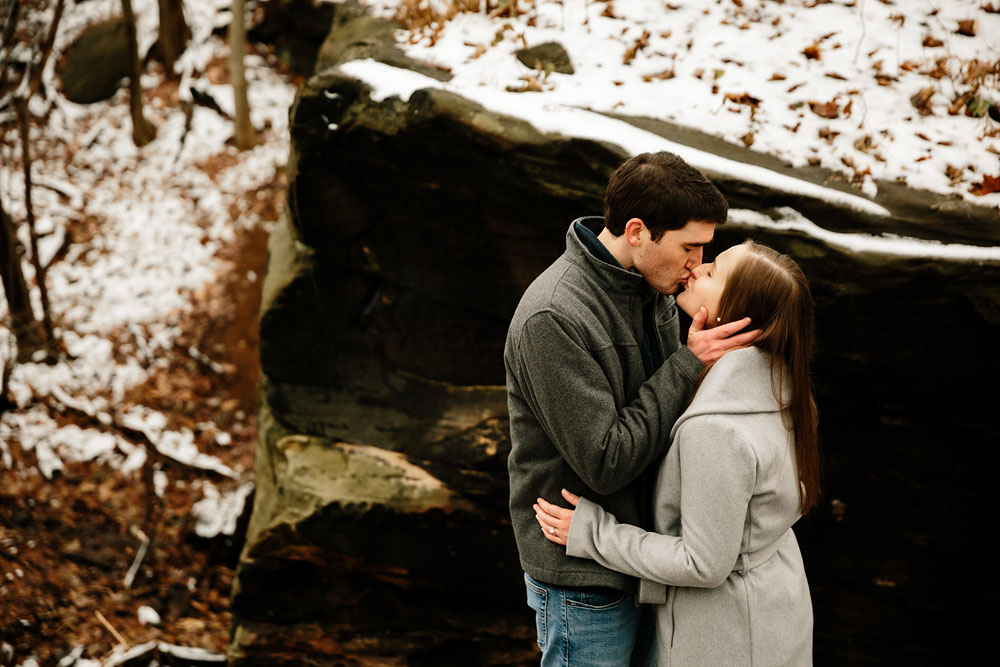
(570, 395)
(718, 474)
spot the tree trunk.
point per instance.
(246, 135)
(27, 330)
(173, 34)
(142, 131)
(36, 260)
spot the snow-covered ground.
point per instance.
(821, 83)
(161, 215)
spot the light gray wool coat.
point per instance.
(726, 498)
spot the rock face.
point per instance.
(380, 532)
(296, 28)
(550, 56)
(96, 63)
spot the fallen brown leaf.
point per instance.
(976, 71)
(967, 27)
(777, 77)
(743, 98)
(858, 178)
(480, 49)
(640, 44)
(662, 76)
(825, 109)
(828, 134)
(959, 102)
(921, 100)
(954, 174)
(939, 70)
(747, 139)
(811, 52)
(864, 144)
(988, 185)
(932, 42)
(531, 85)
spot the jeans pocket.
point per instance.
(537, 599)
(595, 600)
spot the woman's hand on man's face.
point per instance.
(555, 520)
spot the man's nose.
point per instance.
(694, 260)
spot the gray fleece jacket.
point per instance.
(583, 416)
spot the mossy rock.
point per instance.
(96, 63)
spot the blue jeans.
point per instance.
(591, 629)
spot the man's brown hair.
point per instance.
(663, 191)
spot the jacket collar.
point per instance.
(611, 278)
(738, 383)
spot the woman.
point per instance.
(743, 467)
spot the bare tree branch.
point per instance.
(50, 41)
(246, 135)
(142, 131)
(36, 261)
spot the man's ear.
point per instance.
(633, 231)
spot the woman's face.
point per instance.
(704, 287)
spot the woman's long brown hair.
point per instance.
(772, 291)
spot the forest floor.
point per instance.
(74, 536)
(125, 462)
(67, 542)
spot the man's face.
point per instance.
(666, 264)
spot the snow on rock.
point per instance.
(790, 219)
(822, 83)
(387, 81)
(217, 512)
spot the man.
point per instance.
(596, 378)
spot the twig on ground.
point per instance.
(139, 555)
(111, 629)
